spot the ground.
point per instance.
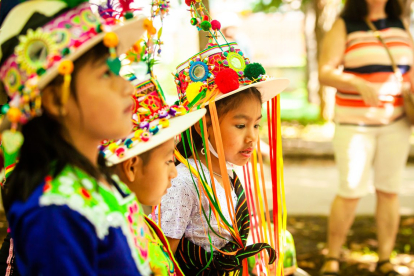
(359, 255)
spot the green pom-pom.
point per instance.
(193, 21)
(40, 71)
(128, 15)
(205, 26)
(5, 108)
(65, 51)
(98, 28)
(74, 3)
(253, 71)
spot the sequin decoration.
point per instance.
(34, 50)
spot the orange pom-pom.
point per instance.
(148, 24)
(111, 40)
(65, 67)
(14, 114)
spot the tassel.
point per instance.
(65, 69)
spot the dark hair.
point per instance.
(45, 151)
(358, 9)
(223, 107)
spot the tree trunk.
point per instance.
(320, 15)
(202, 35)
(407, 9)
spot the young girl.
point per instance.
(205, 239)
(66, 214)
(147, 166)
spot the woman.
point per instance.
(372, 131)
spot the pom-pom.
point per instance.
(205, 17)
(205, 26)
(215, 25)
(227, 80)
(189, 2)
(193, 21)
(192, 90)
(110, 40)
(253, 71)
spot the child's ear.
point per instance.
(198, 128)
(51, 101)
(130, 168)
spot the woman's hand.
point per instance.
(368, 92)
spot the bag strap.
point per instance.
(395, 68)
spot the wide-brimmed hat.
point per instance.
(41, 39)
(155, 123)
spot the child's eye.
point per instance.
(240, 126)
(169, 162)
(256, 126)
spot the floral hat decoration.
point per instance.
(41, 39)
(220, 70)
(154, 120)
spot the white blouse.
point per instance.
(180, 210)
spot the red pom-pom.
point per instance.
(227, 80)
(189, 2)
(216, 25)
(205, 18)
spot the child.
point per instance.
(66, 214)
(234, 89)
(147, 167)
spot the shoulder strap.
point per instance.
(397, 71)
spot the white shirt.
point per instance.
(180, 210)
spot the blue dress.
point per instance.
(72, 225)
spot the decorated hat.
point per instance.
(220, 70)
(41, 39)
(154, 121)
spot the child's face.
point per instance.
(103, 107)
(153, 179)
(239, 131)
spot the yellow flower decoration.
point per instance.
(34, 50)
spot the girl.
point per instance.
(66, 214)
(202, 242)
(147, 166)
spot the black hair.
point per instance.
(45, 151)
(223, 107)
(358, 9)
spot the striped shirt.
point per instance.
(366, 57)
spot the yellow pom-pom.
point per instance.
(164, 123)
(192, 90)
(137, 134)
(110, 40)
(112, 147)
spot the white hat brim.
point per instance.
(177, 126)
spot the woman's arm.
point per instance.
(332, 54)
